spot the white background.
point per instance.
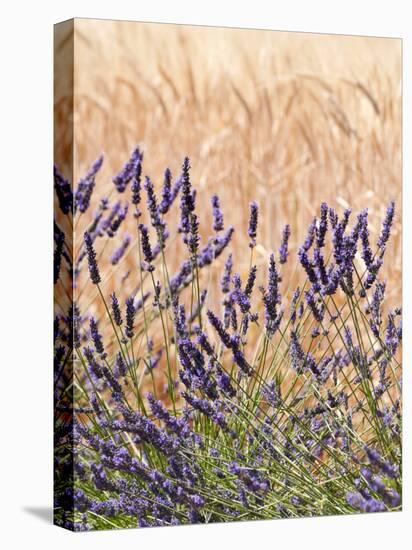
(26, 272)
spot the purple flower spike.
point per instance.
(122, 179)
(307, 265)
(367, 254)
(63, 191)
(318, 311)
(167, 196)
(253, 223)
(152, 204)
(371, 505)
(297, 355)
(187, 203)
(146, 248)
(333, 217)
(91, 257)
(309, 237)
(130, 314)
(58, 252)
(217, 214)
(193, 238)
(136, 187)
(271, 299)
(86, 185)
(116, 217)
(218, 326)
(323, 225)
(385, 466)
(239, 297)
(96, 337)
(251, 281)
(227, 275)
(283, 250)
(117, 316)
(386, 226)
(120, 368)
(119, 252)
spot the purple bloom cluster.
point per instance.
(120, 251)
(63, 191)
(85, 187)
(253, 223)
(146, 247)
(298, 414)
(271, 299)
(129, 170)
(283, 250)
(58, 252)
(91, 257)
(217, 214)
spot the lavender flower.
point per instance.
(146, 248)
(251, 281)
(120, 367)
(136, 188)
(86, 185)
(58, 253)
(206, 408)
(318, 311)
(187, 204)
(225, 283)
(119, 252)
(333, 217)
(296, 353)
(238, 296)
(122, 179)
(96, 337)
(193, 238)
(167, 197)
(116, 219)
(91, 257)
(63, 191)
(323, 225)
(130, 314)
(307, 264)
(385, 466)
(218, 326)
(367, 254)
(293, 305)
(356, 500)
(386, 227)
(375, 308)
(271, 298)
(271, 393)
(117, 316)
(94, 366)
(152, 204)
(283, 250)
(392, 335)
(310, 237)
(74, 322)
(217, 214)
(253, 223)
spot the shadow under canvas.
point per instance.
(44, 513)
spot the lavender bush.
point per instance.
(188, 404)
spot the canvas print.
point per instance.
(227, 275)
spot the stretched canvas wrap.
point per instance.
(227, 274)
